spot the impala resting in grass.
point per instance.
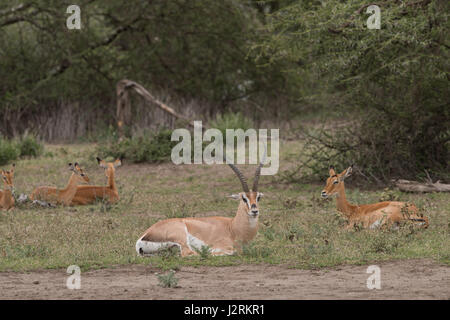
(62, 196)
(369, 215)
(88, 194)
(6, 196)
(222, 235)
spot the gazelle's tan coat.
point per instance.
(88, 194)
(223, 235)
(62, 196)
(6, 197)
(369, 215)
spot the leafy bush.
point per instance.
(29, 146)
(390, 85)
(8, 151)
(149, 148)
(26, 146)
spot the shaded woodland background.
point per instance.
(377, 98)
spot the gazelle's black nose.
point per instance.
(324, 194)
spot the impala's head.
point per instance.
(109, 167)
(335, 181)
(8, 177)
(249, 198)
(78, 172)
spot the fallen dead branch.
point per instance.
(414, 186)
(123, 112)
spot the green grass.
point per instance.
(297, 228)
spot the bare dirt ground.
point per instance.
(405, 279)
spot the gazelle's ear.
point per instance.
(71, 167)
(117, 163)
(12, 167)
(102, 163)
(235, 196)
(347, 173)
(332, 172)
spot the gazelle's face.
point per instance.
(251, 201)
(110, 167)
(7, 177)
(82, 176)
(335, 182)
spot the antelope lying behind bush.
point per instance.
(6, 197)
(222, 235)
(369, 215)
(62, 196)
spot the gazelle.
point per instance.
(6, 197)
(369, 215)
(222, 235)
(88, 194)
(62, 196)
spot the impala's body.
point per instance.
(6, 197)
(369, 215)
(62, 196)
(223, 235)
(89, 194)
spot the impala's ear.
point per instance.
(235, 196)
(102, 163)
(332, 172)
(117, 163)
(71, 167)
(347, 173)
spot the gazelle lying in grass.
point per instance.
(6, 196)
(222, 235)
(62, 196)
(369, 215)
(88, 194)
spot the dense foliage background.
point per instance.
(383, 94)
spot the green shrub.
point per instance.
(8, 151)
(29, 146)
(150, 148)
(26, 146)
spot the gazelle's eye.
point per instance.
(245, 200)
(336, 182)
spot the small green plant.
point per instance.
(168, 280)
(231, 121)
(204, 252)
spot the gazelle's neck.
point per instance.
(6, 198)
(111, 181)
(243, 227)
(66, 195)
(342, 204)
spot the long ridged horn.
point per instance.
(258, 171)
(238, 174)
